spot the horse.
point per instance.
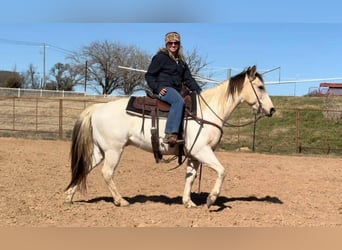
(103, 130)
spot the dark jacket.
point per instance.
(166, 72)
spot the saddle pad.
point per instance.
(144, 105)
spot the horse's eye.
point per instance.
(261, 87)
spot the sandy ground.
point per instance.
(260, 190)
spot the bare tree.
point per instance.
(196, 65)
(64, 77)
(133, 80)
(103, 74)
(103, 59)
(31, 78)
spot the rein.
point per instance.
(201, 122)
(225, 123)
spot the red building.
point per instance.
(330, 89)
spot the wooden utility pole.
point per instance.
(44, 76)
(85, 77)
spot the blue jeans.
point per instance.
(175, 116)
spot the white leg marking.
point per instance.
(111, 161)
(191, 172)
(207, 156)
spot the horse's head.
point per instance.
(255, 94)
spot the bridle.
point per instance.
(257, 97)
(225, 123)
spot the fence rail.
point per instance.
(19, 92)
(312, 131)
(289, 131)
(47, 118)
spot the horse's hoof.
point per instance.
(121, 203)
(211, 200)
(124, 203)
(190, 204)
(68, 202)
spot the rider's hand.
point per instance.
(162, 92)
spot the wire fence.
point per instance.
(46, 118)
(289, 131)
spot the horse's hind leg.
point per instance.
(191, 172)
(70, 194)
(97, 158)
(111, 161)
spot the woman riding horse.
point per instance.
(165, 76)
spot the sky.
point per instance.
(297, 40)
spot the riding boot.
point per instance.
(172, 139)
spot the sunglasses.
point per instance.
(173, 43)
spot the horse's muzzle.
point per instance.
(272, 111)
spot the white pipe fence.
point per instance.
(19, 92)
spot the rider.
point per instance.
(165, 76)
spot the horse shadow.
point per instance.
(198, 198)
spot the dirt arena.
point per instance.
(259, 191)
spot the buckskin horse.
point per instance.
(103, 130)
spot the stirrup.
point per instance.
(172, 140)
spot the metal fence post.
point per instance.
(60, 119)
(298, 146)
(13, 114)
(37, 111)
(254, 128)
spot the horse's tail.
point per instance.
(81, 151)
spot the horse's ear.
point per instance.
(252, 73)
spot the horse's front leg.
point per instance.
(191, 172)
(207, 156)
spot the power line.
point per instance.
(16, 42)
(36, 44)
(60, 49)
(40, 44)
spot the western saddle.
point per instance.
(151, 107)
